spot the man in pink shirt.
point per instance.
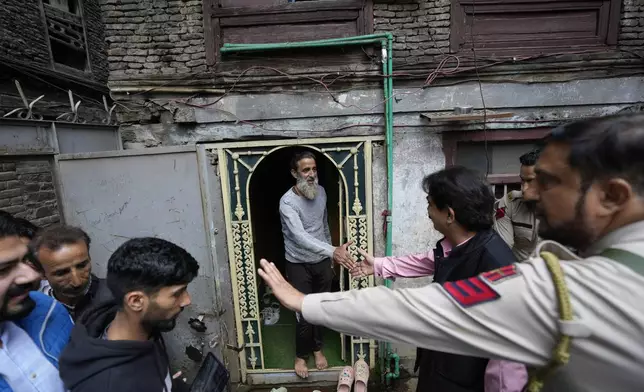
(460, 206)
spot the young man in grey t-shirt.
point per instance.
(308, 251)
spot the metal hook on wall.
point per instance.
(108, 112)
(71, 116)
(26, 112)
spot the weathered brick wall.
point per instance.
(154, 36)
(420, 27)
(96, 40)
(23, 35)
(27, 189)
(22, 32)
(631, 34)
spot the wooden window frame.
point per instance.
(297, 12)
(453, 138)
(608, 27)
(47, 11)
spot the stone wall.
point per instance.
(27, 189)
(148, 37)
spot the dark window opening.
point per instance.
(70, 6)
(67, 56)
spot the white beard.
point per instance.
(310, 191)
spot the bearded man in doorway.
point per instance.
(308, 251)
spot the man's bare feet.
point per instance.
(320, 360)
(300, 368)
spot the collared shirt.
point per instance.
(500, 376)
(514, 315)
(23, 365)
(517, 225)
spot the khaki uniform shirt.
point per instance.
(512, 314)
(516, 224)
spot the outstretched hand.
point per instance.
(342, 256)
(282, 290)
(364, 268)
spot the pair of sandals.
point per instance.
(356, 376)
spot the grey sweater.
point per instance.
(307, 238)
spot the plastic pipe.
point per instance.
(386, 42)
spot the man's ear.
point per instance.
(136, 300)
(615, 194)
(294, 173)
(451, 216)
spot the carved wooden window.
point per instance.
(503, 151)
(530, 27)
(263, 21)
(66, 32)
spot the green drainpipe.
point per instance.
(386, 42)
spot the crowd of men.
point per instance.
(502, 300)
(64, 329)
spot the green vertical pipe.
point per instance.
(386, 41)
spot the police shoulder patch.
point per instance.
(500, 274)
(470, 292)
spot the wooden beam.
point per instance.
(474, 116)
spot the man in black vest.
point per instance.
(460, 205)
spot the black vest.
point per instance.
(443, 372)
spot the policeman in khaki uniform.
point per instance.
(515, 220)
(581, 318)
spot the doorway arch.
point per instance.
(268, 182)
(238, 164)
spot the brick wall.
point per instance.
(632, 25)
(154, 36)
(27, 189)
(22, 31)
(421, 27)
(96, 40)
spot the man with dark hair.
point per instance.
(515, 219)
(117, 346)
(308, 251)
(63, 252)
(18, 226)
(34, 328)
(555, 309)
(458, 204)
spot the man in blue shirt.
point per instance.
(34, 328)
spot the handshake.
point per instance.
(342, 256)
